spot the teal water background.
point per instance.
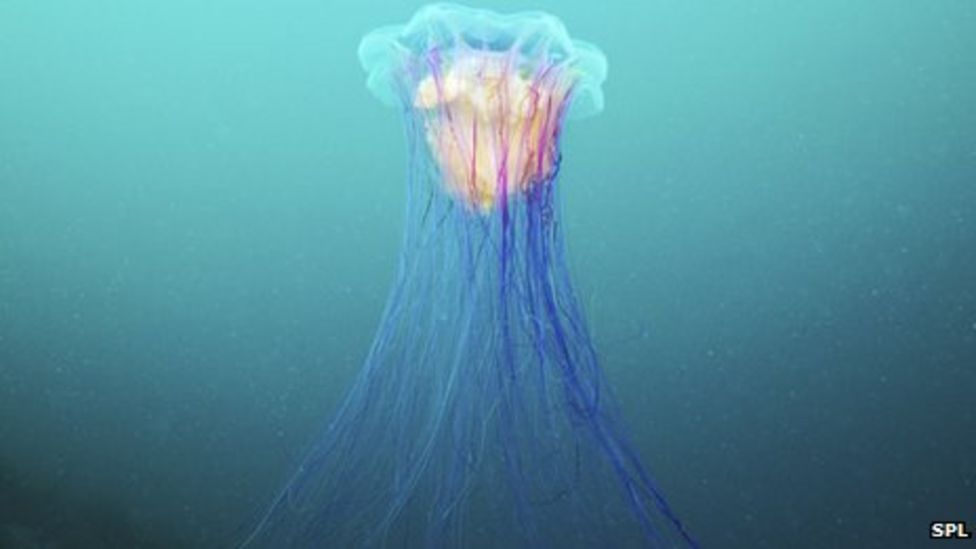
(772, 225)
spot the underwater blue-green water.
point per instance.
(772, 227)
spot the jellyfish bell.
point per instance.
(491, 90)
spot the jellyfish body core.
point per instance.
(480, 417)
(492, 125)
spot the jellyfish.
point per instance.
(481, 416)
